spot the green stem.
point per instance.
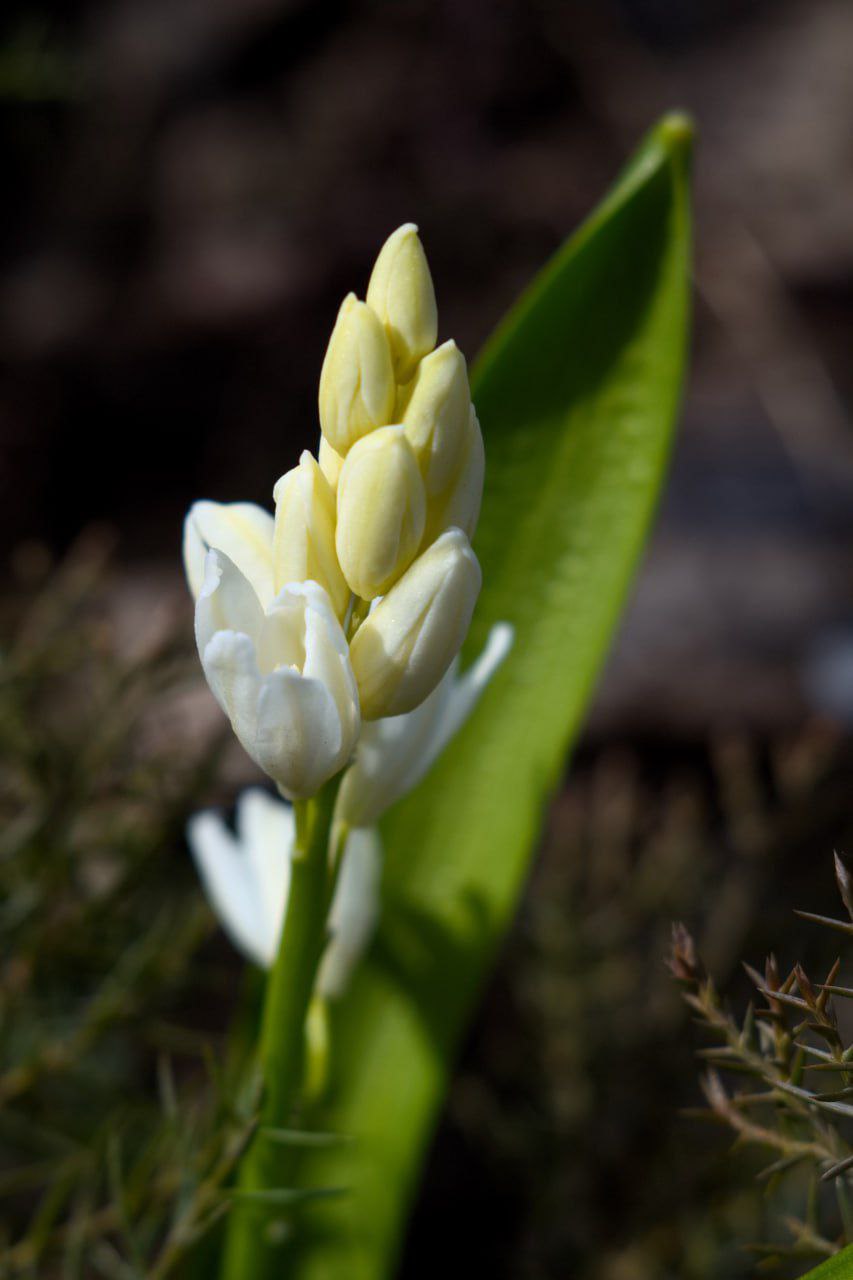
(250, 1252)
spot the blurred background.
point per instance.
(191, 187)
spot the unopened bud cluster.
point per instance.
(400, 440)
(379, 524)
(402, 456)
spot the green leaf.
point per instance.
(838, 1268)
(577, 392)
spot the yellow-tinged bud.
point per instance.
(304, 537)
(459, 506)
(437, 414)
(402, 295)
(405, 645)
(381, 511)
(330, 462)
(357, 387)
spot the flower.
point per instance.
(354, 599)
(246, 876)
(458, 507)
(357, 389)
(401, 294)
(282, 675)
(381, 511)
(304, 534)
(242, 531)
(330, 462)
(395, 753)
(405, 645)
(436, 416)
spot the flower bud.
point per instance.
(330, 462)
(282, 675)
(406, 644)
(381, 511)
(402, 295)
(437, 414)
(459, 506)
(357, 386)
(304, 538)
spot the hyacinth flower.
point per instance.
(246, 873)
(329, 634)
(246, 876)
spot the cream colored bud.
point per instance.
(406, 644)
(381, 511)
(459, 507)
(437, 415)
(402, 295)
(357, 387)
(330, 462)
(304, 537)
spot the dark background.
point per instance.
(192, 186)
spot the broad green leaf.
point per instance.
(838, 1268)
(577, 392)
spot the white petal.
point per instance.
(355, 910)
(226, 602)
(394, 754)
(309, 722)
(242, 878)
(298, 737)
(195, 553)
(327, 659)
(282, 678)
(288, 725)
(405, 646)
(387, 758)
(242, 531)
(465, 692)
(229, 884)
(231, 670)
(266, 830)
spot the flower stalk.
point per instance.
(250, 1250)
(330, 635)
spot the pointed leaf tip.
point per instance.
(677, 130)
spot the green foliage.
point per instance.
(120, 1134)
(571, 1087)
(797, 1105)
(109, 1164)
(577, 393)
(838, 1268)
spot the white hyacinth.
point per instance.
(246, 874)
(329, 633)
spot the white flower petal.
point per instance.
(308, 723)
(395, 753)
(231, 669)
(406, 644)
(354, 913)
(298, 733)
(266, 829)
(387, 759)
(194, 553)
(327, 659)
(226, 602)
(283, 678)
(230, 887)
(465, 692)
(247, 877)
(243, 531)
